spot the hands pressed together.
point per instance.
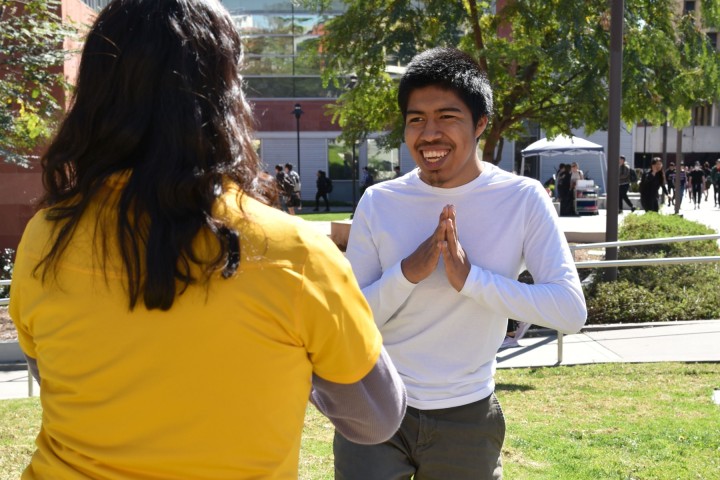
(443, 241)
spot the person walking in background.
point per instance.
(683, 173)
(366, 181)
(437, 254)
(624, 181)
(284, 188)
(697, 183)
(575, 175)
(156, 248)
(323, 185)
(715, 177)
(651, 183)
(398, 173)
(707, 172)
(567, 202)
(670, 183)
(556, 178)
(295, 193)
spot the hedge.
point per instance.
(658, 293)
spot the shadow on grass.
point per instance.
(513, 387)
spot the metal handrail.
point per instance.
(647, 241)
(644, 262)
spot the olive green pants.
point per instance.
(459, 443)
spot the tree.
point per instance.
(547, 60)
(31, 54)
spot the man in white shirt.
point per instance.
(437, 253)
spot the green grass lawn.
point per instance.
(594, 422)
(311, 216)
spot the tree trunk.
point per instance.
(492, 140)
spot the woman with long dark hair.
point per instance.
(175, 320)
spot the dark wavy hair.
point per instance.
(159, 95)
(449, 69)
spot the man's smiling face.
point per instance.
(440, 135)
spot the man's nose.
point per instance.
(431, 131)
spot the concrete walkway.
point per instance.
(591, 228)
(691, 341)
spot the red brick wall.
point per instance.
(277, 116)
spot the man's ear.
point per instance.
(481, 125)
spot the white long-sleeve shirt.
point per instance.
(444, 342)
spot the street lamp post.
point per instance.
(614, 110)
(645, 122)
(354, 178)
(297, 111)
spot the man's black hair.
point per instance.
(450, 69)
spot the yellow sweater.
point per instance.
(214, 388)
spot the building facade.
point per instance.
(279, 74)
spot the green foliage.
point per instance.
(31, 54)
(546, 59)
(658, 293)
(6, 269)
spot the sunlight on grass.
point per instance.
(610, 421)
(323, 216)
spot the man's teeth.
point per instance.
(434, 155)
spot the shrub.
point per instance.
(658, 293)
(6, 268)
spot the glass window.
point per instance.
(381, 163)
(238, 6)
(264, 24)
(712, 37)
(702, 115)
(269, 87)
(313, 87)
(287, 87)
(279, 65)
(308, 60)
(282, 39)
(268, 45)
(340, 160)
(276, 6)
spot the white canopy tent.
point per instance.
(564, 145)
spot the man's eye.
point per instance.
(415, 119)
